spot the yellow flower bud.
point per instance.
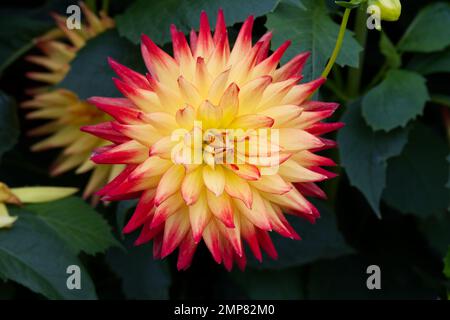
(390, 10)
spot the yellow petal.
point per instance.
(221, 207)
(214, 179)
(202, 78)
(42, 194)
(272, 184)
(169, 183)
(238, 188)
(185, 117)
(291, 171)
(199, 216)
(7, 196)
(218, 87)
(192, 186)
(161, 121)
(282, 114)
(189, 92)
(229, 104)
(210, 115)
(297, 140)
(252, 121)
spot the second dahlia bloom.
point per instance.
(62, 110)
(208, 90)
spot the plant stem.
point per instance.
(378, 76)
(92, 5)
(105, 6)
(354, 76)
(441, 100)
(338, 45)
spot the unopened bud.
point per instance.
(390, 10)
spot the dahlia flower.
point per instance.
(187, 191)
(64, 110)
(18, 196)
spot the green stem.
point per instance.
(355, 74)
(105, 6)
(441, 100)
(338, 45)
(92, 5)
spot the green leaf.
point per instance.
(270, 284)
(364, 154)
(184, 14)
(9, 123)
(321, 240)
(430, 63)
(311, 29)
(429, 30)
(416, 179)
(16, 36)
(352, 4)
(142, 276)
(297, 3)
(388, 49)
(447, 264)
(400, 98)
(77, 223)
(345, 278)
(33, 255)
(90, 74)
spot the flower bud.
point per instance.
(390, 10)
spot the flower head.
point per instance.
(217, 143)
(63, 110)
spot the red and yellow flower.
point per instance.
(223, 203)
(62, 108)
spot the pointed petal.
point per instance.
(214, 179)
(199, 216)
(143, 211)
(186, 252)
(127, 75)
(175, 230)
(271, 184)
(125, 153)
(238, 188)
(169, 183)
(105, 131)
(221, 207)
(166, 209)
(192, 186)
